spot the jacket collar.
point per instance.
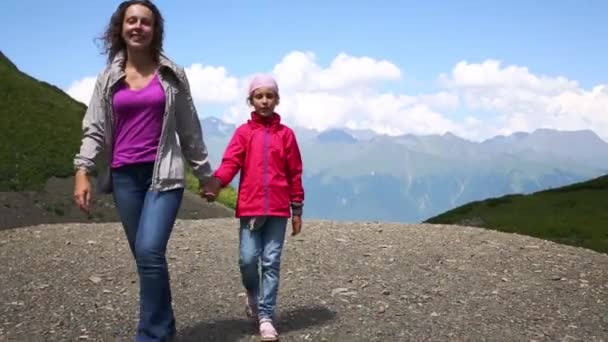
(117, 71)
(272, 121)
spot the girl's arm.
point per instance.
(190, 132)
(233, 159)
(294, 173)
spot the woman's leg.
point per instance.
(155, 226)
(130, 185)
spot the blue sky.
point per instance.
(53, 41)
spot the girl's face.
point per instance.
(264, 100)
(138, 27)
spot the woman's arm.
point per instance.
(93, 130)
(190, 132)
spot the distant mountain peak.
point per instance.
(215, 126)
(335, 135)
(581, 133)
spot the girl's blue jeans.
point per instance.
(262, 247)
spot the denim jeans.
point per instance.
(265, 243)
(148, 219)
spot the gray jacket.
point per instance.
(181, 135)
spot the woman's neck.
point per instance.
(141, 61)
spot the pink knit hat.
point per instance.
(261, 81)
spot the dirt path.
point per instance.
(340, 282)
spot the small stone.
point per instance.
(386, 292)
(338, 290)
(95, 279)
(434, 314)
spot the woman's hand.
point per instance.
(82, 191)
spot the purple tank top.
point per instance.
(138, 123)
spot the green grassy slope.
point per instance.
(40, 130)
(576, 214)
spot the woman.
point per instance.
(140, 101)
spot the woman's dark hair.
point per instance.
(112, 38)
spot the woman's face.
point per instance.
(138, 27)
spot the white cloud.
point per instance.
(82, 90)
(523, 101)
(210, 84)
(299, 70)
(349, 91)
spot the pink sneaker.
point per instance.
(267, 331)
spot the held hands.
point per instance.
(211, 189)
(82, 191)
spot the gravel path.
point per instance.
(340, 282)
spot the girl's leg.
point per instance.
(273, 235)
(250, 246)
(157, 320)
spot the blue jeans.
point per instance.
(265, 243)
(147, 218)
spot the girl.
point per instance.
(140, 108)
(270, 191)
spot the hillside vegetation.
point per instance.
(576, 214)
(40, 130)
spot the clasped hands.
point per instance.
(211, 189)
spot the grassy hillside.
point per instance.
(576, 214)
(40, 130)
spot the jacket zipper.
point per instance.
(266, 199)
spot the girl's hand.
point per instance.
(296, 225)
(82, 191)
(211, 190)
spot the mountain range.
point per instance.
(361, 175)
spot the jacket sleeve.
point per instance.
(294, 170)
(93, 129)
(233, 159)
(190, 132)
